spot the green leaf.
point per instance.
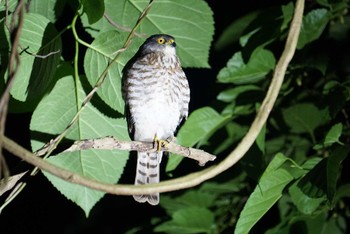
(321, 223)
(231, 94)
(101, 165)
(51, 9)
(231, 186)
(191, 198)
(189, 220)
(333, 134)
(233, 32)
(39, 36)
(197, 198)
(261, 62)
(190, 22)
(199, 126)
(338, 30)
(171, 205)
(265, 195)
(235, 110)
(323, 3)
(312, 27)
(234, 133)
(287, 11)
(314, 183)
(334, 166)
(53, 114)
(94, 10)
(304, 117)
(11, 4)
(264, 29)
(303, 202)
(322, 179)
(98, 58)
(342, 192)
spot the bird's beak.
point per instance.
(171, 42)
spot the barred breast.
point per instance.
(157, 95)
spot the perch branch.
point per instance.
(110, 143)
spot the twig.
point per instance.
(14, 60)
(13, 65)
(121, 27)
(44, 56)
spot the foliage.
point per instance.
(293, 171)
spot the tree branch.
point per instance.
(111, 143)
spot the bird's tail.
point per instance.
(147, 172)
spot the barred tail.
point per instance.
(147, 172)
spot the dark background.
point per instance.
(40, 208)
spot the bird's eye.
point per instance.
(160, 40)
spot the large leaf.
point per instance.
(98, 58)
(189, 21)
(287, 11)
(265, 195)
(235, 132)
(191, 198)
(53, 114)
(232, 33)
(231, 94)
(101, 165)
(265, 28)
(322, 179)
(94, 10)
(51, 9)
(304, 203)
(304, 117)
(313, 25)
(261, 62)
(334, 134)
(11, 5)
(199, 126)
(334, 167)
(35, 76)
(188, 220)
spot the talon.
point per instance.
(160, 143)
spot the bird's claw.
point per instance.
(160, 143)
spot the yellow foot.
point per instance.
(160, 143)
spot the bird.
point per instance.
(156, 93)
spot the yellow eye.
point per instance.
(160, 40)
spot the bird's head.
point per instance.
(159, 43)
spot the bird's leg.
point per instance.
(160, 143)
